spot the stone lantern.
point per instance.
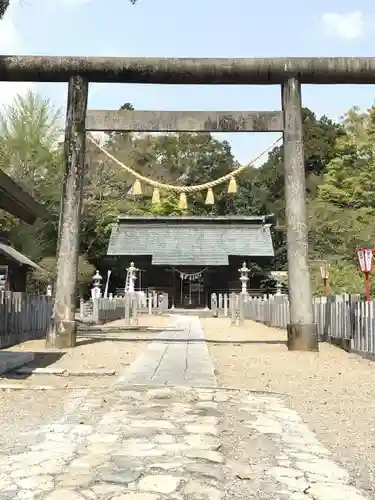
(281, 278)
(95, 291)
(131, 278)
(244, 277)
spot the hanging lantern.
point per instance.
(365, 258)
(182, 205)
(210, 199)
(137, 188)
(232, 186)
(155, 197)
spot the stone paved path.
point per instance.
(174, 443)
(178, 357)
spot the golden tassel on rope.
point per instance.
(182, 205)
(137, 188)
(210, 199)
(232, 186)
(155, 197)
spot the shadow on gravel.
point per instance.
(41, 360)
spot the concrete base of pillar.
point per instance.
(63, 334)
(302, 337)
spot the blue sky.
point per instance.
(195, 28)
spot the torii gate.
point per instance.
(289, 73)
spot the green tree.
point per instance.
(4, 4)
(187, 159)
(336, 155)
(319, 137)
(46, 275)
(350, 178)
(168, 206)
(262, 190)
(344, 277)
(338, 232)
(179, 159)
(30, 152)
(342, 216)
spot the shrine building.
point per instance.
(14, 266)
(191, 257)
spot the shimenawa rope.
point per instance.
(183, 189)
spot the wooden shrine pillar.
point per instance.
(62, 332)
(302, 332)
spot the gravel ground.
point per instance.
(21, 411)
(146, 321)
(92, 352)
(333, 391)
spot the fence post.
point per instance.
(371, 329)
(226, 300)
(81, 309)
(164, 303)
(214, 305)
(327, 319)
(127, 309)
(242, 308)
(95, 310)
(134, 310)
(233, 308)
(353, 308)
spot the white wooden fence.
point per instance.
(26, 316)
(338, 318)
(128, 307)
(23, 317)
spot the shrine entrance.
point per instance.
(190, 288)
(289, 73)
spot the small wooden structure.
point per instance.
(14, 266)
(22, 316)
(16, 201)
